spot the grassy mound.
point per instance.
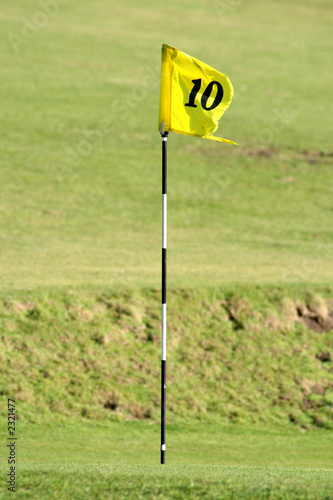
(244, 355)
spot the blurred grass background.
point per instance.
(80, 198)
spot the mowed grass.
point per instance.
(80, 196)
(119, 460)
(104, 481)
(189, 442)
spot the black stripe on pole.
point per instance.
(164, 275)
(164, 162)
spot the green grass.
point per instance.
(178, 482)
(117, 460)
(251, 355)
(249, 394)
(234, 215)
(250, 253)
(188, 443)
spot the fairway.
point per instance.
(250, 253)
(179, 482)
(116, 461)
(81, 150)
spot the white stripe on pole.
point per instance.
(164, 316)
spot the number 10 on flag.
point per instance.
(193, 95)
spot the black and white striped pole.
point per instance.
(164, 290)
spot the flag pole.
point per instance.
(164, 289)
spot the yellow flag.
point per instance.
(193, 95)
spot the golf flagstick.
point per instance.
(193, 98)
(164, 289)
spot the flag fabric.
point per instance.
(193, 95)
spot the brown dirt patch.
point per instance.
(314, 319)
(316, 156)
(262, 152)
